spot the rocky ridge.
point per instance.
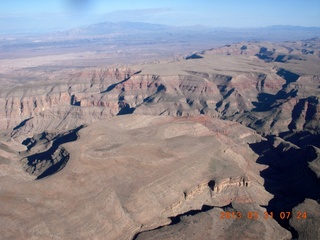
(262, 95)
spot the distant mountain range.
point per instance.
(273, 33)
(142, 29)
(129, 37)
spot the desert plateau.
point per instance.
(141, 131)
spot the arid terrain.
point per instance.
(222, 143)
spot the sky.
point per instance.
(54, 15)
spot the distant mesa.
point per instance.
(194, 56)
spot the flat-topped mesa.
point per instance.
(242, 181)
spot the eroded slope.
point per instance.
(271, 96)
(133, 173)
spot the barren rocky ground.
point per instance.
(201, 147)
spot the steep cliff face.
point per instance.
(54, 98)
(237, 181)
(32, 101)
(263, 101)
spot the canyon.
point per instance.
(162, 150)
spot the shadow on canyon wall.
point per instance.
(288, 176)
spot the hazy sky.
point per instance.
(47, 15)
